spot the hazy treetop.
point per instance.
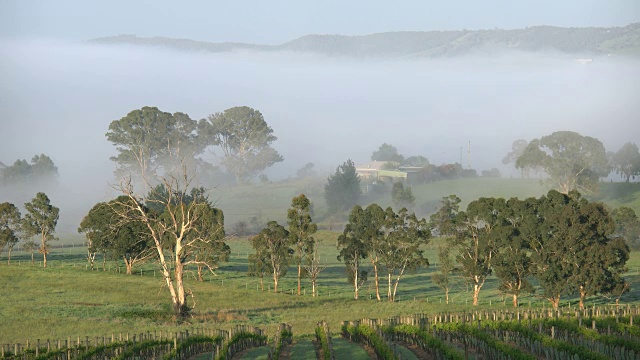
(278, 21)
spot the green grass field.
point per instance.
(67, 300)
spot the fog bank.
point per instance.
(59, 98)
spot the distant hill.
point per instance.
(581, 42)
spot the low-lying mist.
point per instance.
(59, 98)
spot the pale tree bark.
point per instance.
(180, 219)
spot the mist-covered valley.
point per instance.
(58, 98)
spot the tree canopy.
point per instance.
(572, 161)
(108, 230)
(387, 152)
(147, 138)
(40, 220)
(626, 161)
(342, 189)
(273, 251)
(40, 171)
(10, 227)
(301, 229)
(245, 139)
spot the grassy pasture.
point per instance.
(69, 300)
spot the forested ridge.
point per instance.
(591, 41)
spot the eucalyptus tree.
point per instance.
(576, 252)
(476, 235)
(147, 138)
(245, 139)
(301, 229)
(626, 161)
(446, 270)
(400, 251)
(187, 225)
(40, 220)
(108, 230)
(10, 227)
(512, 264)
(272, 247)
(353, 249)
(573, 161)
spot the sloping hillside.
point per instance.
(579, 42)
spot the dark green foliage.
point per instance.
(342, 189)
(273, 252)
(354, 248)
(403, 236)
(574, 251)
(109, 230)
(245, 139)
(513, 265)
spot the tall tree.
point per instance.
(370, 229)
(353, 249)
(272, 245)
(41, 219)
(387, 152)
(626, 161)
(477, 233)
(10, 227)
(402, 196)
(187, 224)
(245, 139)
(572, 161)
(512, 264)
(301, 229)
(342, 189)
(401, 252)
(146, 138)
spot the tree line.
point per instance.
(570, 246)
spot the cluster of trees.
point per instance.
(39, 221)
(569, 245)
(277, 247)
(573, 161)
(41, 171)
(391, 241)
(148, 139)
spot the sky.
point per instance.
(58, 95)
(278, 21)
